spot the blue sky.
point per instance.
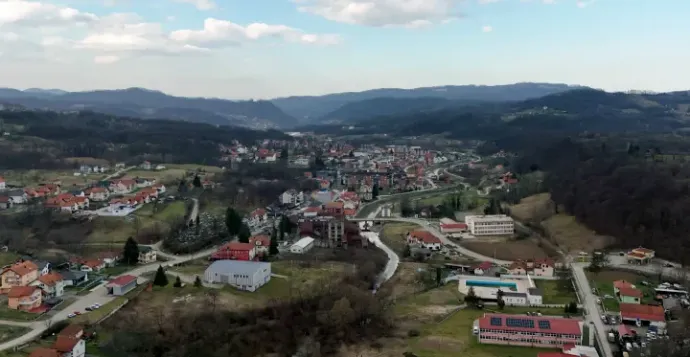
(267, 48)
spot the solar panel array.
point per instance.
(496, 321)
(544, 324)
(525, 323)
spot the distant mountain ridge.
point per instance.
(150, 104)
(312, 109)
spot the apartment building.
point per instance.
(490, 225)
(533, 331)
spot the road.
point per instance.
(195, 210)
(424, 224)
(118, 172)
(99, 295)
(393, 258)
(589, 301)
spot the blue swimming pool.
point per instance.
(491, 284)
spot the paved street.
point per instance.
(589, 301)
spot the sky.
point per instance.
(241, 49)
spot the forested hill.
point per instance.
(365, 109)
(311, 109)
(569, 112)
(43, 138)
(149, 104)
(625, 187)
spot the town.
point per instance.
(134, 236)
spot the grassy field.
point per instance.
(15, 315)
(7, 258)
(431, 201)
(10, 332)
(395, 235)
(603, 282)
(529, 206)
(28, 178)
(507, 249)
(195, 167)
(118, 229)
(570, 234)
(553, 294)
(167, 176)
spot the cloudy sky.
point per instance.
(268, 48)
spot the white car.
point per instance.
(71, 316)
(95, 306)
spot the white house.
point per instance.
(68, 346)
(292, 197)
(482, 268)
(425, 239)
(3, 185)
(97, 193)
(242, 274)
(262, 243)
(18, 196)
(302, 246)
(52, 284)
(257, 216)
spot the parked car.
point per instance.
(668, 265)
(71, 316)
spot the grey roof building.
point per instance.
(244, 275)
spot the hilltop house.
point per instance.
(146, 255)
(52, 285)
(19, 274)
(24, 298)
(424, 239)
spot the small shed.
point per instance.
(302, 246)
(121, 285)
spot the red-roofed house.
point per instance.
(424, 238)
(647, 314)
(449, 228)
(640, 255)
(97, 193)
(123, 186)
(24, 298)
(121, 285)
(261, 242)
(629, 295)
(482, 268)
(235, 251)
(520, 330)
(257, 216)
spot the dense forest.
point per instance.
(625, 190)
(41, 139)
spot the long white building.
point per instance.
(490, 225)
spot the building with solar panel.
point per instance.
(532, 331)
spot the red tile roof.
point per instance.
(237, 246)
(622, 284)
(260, 240)
(425, 236)
(454, 226)
(50, 279)
(21, 291)
(44, 352)
(122, 280)
(23, 268)
(65, 343)
(558, 325)
(642, 312)
(632, 292)
(484, 266)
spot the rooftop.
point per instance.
(530, 323)
(642, 312)
(238, 266)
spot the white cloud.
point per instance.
(382, 13)
(487, 28)
(32, 13)
(200, 4)
(105, 59)
(218, 33)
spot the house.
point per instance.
(258, 216)
(122, 186)
(3, 184)
(336, 208)
(146, 165)
(147, 255)
(5, 202)
(235, 251)
(292, 197)
(647, 314)
(626, 292)
(424, 238)
(109, 258)
(42, 266)
(97, 194)
(24, 298)
(160, 187)
(243, 275)
(52, 285)
(122, 285)
(449, 226)
(261, 242)
(640, 256)
(19, 274)
(482, 268)
(92, 265)
(74, 277)
(68, 344)
(533, 331)
(17, 196)
(538, 267)
(302, 246)
(144, 182)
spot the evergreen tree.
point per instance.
(161, 279)
(273, 247)
(130, 254)
(197, 181)
(197, 282)
(182, 186)
(244, 234)
(439, 276)
(471, 297)
(375, 192)
(178, 282)
(407, 251)
(284, 155)
(233, 221)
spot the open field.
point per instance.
(507, 249)
(67, 179)
(603, 282)
(529, 207)
(10, 332)
(118, 229)
(430, 201)
(167, 176)
(395, 235)
(7, 258)
(572, 235)
(553, 294)
(195, 167)
(15, 315)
